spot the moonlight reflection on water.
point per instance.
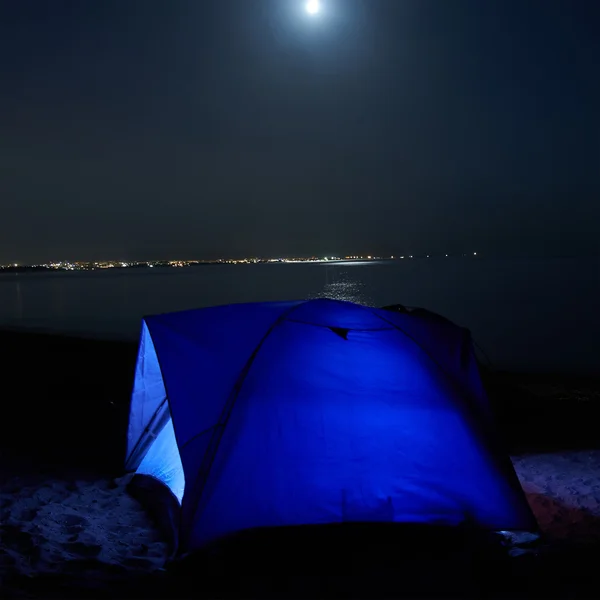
(340, 285)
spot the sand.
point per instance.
(77, 526)
(563, 489)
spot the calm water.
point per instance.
(527, 314)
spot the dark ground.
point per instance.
(65, 403)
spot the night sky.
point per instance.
(142, 129)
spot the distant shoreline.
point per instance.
(91, 266)
(121, 266)
(186, 265)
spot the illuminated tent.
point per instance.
(315, 412)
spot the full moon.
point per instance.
(313, 7)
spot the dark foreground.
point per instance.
(64, 407)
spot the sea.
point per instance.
(535, 315)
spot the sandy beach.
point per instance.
(68, 527)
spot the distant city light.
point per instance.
(127, 264)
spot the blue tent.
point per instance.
(316, 412)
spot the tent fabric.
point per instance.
(317, 412)
(162, 462)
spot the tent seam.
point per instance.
(496, 444)
(345, 328)
(472, 405)
(220, 426)
(179, 528)
(147, 429)
(412, 339)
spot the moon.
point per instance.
(313, 7)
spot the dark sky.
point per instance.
(197, 128)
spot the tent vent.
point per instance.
(343, 333)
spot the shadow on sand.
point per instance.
(403, 561)
(65, 400)
(544, 422)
